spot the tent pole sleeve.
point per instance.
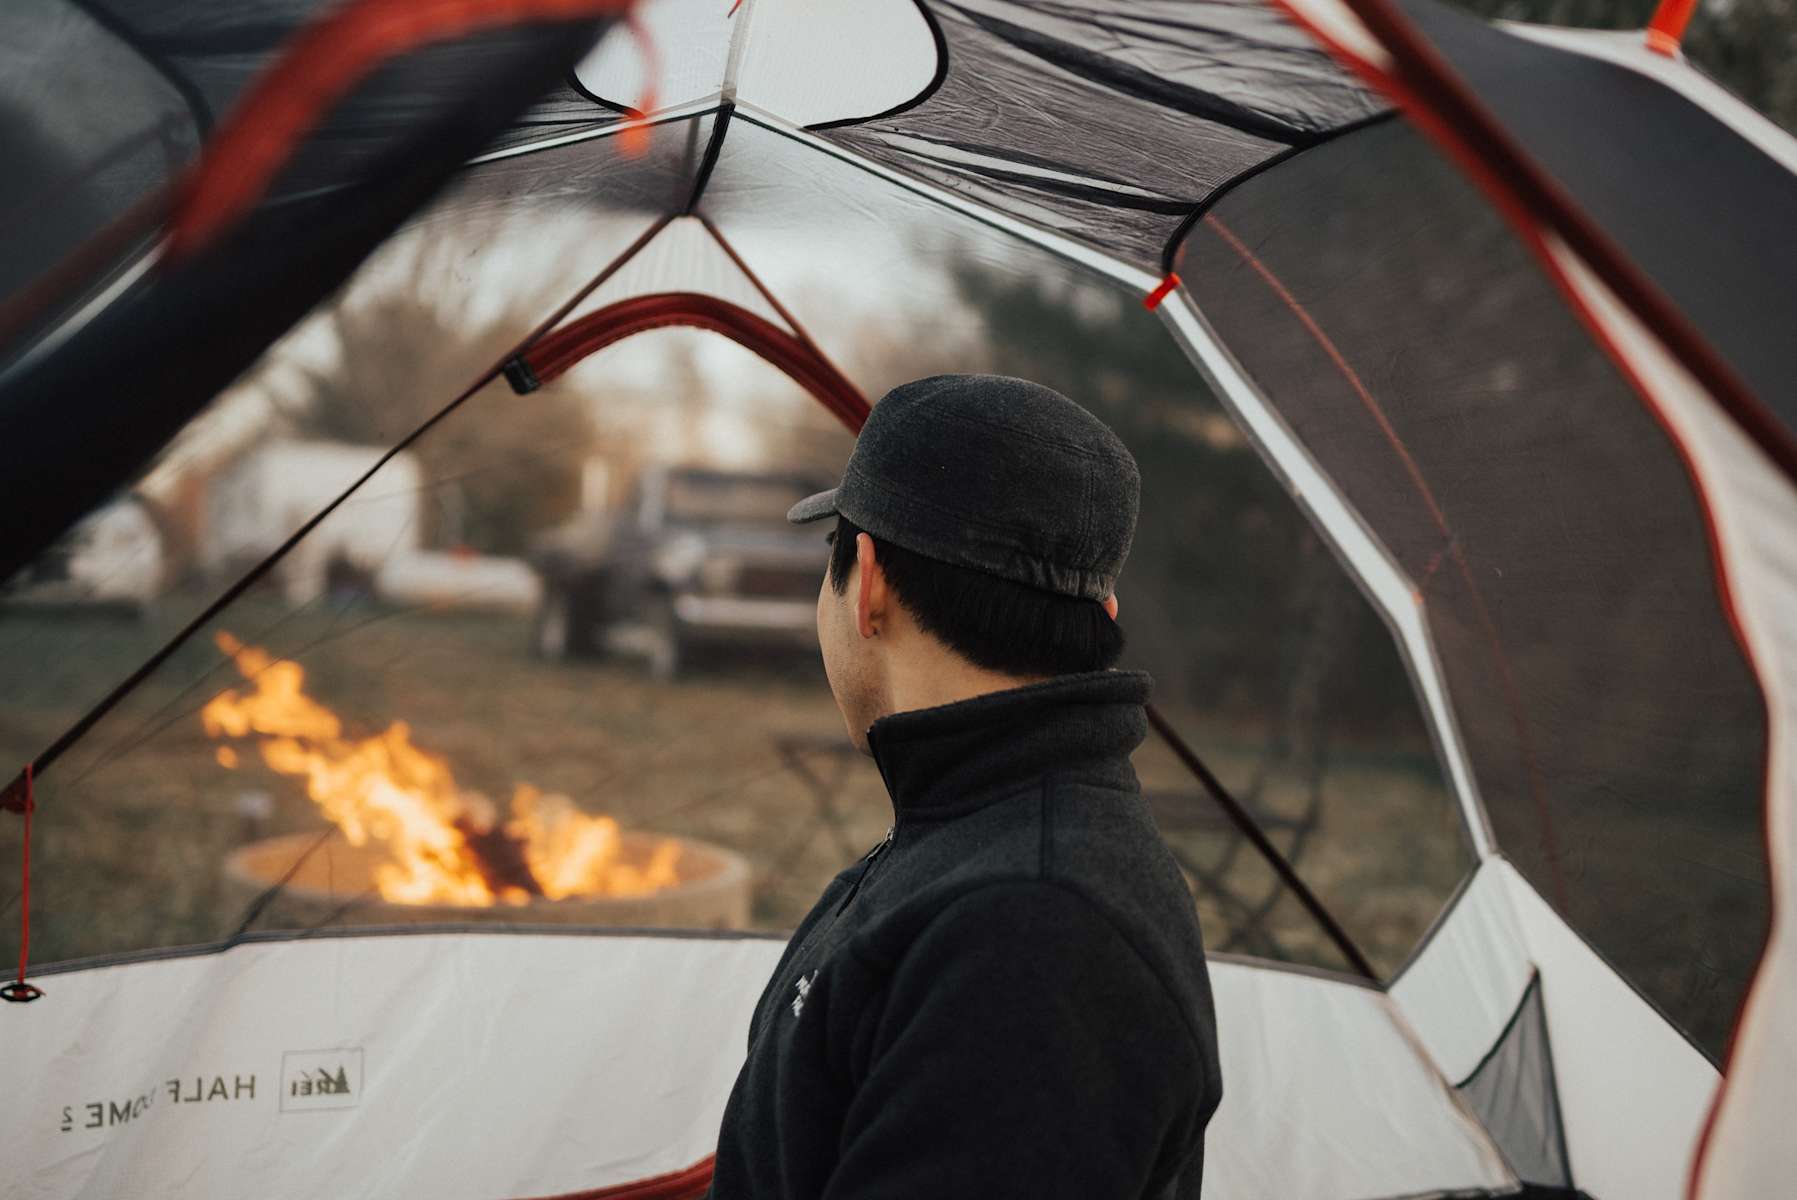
(571, 344)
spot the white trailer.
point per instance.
(254, 504)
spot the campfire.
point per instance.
(433, 842)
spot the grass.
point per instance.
(134, 822)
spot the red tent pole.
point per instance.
(798, 359)
(767, 294)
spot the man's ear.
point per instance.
(1110, 605)
(871, 599)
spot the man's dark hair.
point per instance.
(991, 622)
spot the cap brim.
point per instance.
(813, 508)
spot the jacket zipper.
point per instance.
(891, 830)
(868, 862)
(867, 866)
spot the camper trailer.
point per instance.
(255, 503)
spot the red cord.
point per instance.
(25, 883)
(24, 886)
(19, 991)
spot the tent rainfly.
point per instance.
(1505, 308)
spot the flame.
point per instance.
(571, 854)
(444, 846)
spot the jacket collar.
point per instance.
(946, 760)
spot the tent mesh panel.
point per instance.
(1550, 528)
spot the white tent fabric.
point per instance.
(1633, 1093)
(1461, 988)
(1330, 1057)
(812, 63)
(594, 1061)
(476, 1067)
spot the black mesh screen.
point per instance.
(1268, 661)
(1550, 528)
(1734, 276)
(1512, 1089)
(1107, 121)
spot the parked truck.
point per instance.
(694, 556)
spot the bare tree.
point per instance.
(503, 465)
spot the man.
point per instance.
(1007, 997)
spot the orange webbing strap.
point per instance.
(634, 139)
(1667, 29)
(1153, 299)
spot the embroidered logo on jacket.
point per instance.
(803, 983)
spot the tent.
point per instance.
(1499, 307)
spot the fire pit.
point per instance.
(335, 884)
(411, 844)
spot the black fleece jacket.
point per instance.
(1008, 997)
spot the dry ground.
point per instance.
(133, 824)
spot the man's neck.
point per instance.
(932, 680)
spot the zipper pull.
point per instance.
(867, 865)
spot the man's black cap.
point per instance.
(997, 474)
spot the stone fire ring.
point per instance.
(335, 885)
